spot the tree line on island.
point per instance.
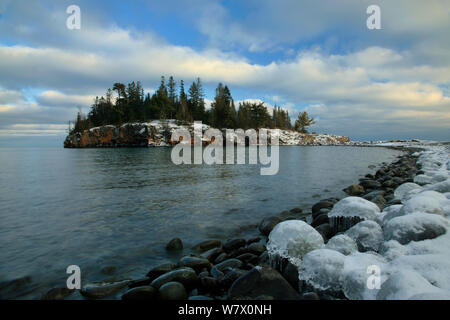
(132, 105)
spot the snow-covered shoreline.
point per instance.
(401, 252)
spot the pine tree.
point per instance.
(303, 121)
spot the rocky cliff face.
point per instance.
(158, 133)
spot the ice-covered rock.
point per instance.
(292, 239)
(391, 212)
(425, 201)
(403, 190)
(368, 235)
(422, 179)
(406, 284)
(392, 249)
(342, 243)
(322, 269)
(355, 207)
(415, 227)
(358, 267)
(442, 187)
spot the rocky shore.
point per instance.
(392, 227)
(157, 134)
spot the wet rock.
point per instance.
(321, 219)
(326, 231)
(14, 288)
(354, 190)
(296, 210)
(256, 248)
(233, 244)
(206, 245)
(252, 240)
(310, 296)
(98, 290)
(212, 254)
(140, 293)
(172, 291)
(389, 184)
(264, 259)
(216, 273)
(139, 282)
(209, 284)
(194, 263)
(267, 224)
(174, 245)
(230, 277)
(229, 264)
(370, 184)
(380, 201)
(262, 281)
(160, 270)
(184, 275)
(324, 204)
(200, 298)
(222, 257)
(290, 273)
(247, 257)
(57, 294)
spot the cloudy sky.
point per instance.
(317, 56)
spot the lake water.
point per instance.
(119, 207)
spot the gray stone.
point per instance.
(160, 270)
(174, 245)
(185, 275)
(233, 244)
(262, 281)
(140, 293)
(172, 291)
(230, 263)
(267, 224)
(194, 263)
(206, 245)
(256, 248)
(98, 290)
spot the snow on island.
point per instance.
(402, 252)
(158, 133)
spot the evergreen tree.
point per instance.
(303, 121)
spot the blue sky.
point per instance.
(317, 56)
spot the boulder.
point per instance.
(354, 190)
(267, 224)
(140, 293)
(172, 291)
(206, 245)
(415, 227)
(174, 245)
(262, 281)
(184, 275)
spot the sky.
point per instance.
(314, 56)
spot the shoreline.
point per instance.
(214, 266)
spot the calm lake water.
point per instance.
(119, 207)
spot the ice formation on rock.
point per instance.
(403, 190)
(292, 239)
(342, 243)
(406, 284)
(391, 212)
(322, 269)
(368, 235)
(355, 207)
(425, 201)
(415, 227)
(356, 272)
